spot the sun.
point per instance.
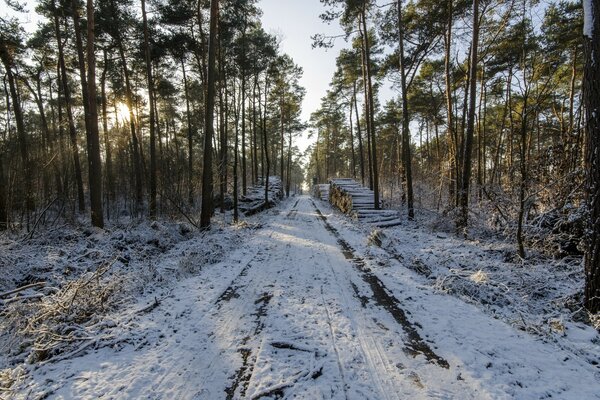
(121, 112)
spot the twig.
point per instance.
(182, 212)
(31, 285)
(18, 298)
(30, 235)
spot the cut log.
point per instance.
(359, 202)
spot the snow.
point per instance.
(301, 302)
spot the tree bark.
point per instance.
(7, 61)
(110, 185)
(149, 78)
(209, 129)
(93, 135)
(371, 108)
(591, 99)
(359, 134)
(137, 162)
(190, 136)
(71, 122)
(468, 145)
(406, 151)
(3, 193)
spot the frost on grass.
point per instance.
(75, 284)
(63, 320)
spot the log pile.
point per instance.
(254, 201)
(359, 202)
(321, 191)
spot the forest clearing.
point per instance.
(285, 199)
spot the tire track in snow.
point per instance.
(381, 295)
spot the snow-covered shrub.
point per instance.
(63, 320)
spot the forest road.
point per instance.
(299, 312)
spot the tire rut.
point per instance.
(242, 376)
(381, 296)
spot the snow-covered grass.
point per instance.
(85, 275)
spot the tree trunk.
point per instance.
(359, 133)
(93, 135)
(591, 93)
(110, 185)
(265, 143)
(223, 138)
(281, 131)
(406, 152)
(453, 145)
(72, 130)
(7, 61)
(137, 163)
(150, 80)
(209, 129)
(468, 145)
(353, 161)
(91, 115)
(289, 166)
(3, 194)
(236, 144)
(243, 72)
(371, 109)
(254, 133)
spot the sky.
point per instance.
(294, 22)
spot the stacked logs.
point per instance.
(348, 196)
(321, 191)
(359, 202)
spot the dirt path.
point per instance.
(298, 312)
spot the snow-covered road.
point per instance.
(298, 311)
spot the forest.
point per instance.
(136, 133)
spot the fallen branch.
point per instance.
(18, 298)
(178, 207)
(31, 285)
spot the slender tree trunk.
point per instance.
(150, 80)
(71, 122)
(37, 95)
(190, 136)
(353, 161)
(406, 152)
(236, 145)
(289, 166)
(7, 61)
(243, 71)
(468, 145)
(265, 143)
(93, 134)
(359, 133)
(3, 197)
(223, 137)
(110, 185)
(591, 100)
(91, 115)
(137, 162)
(254, 133)
(366, 105)
(209, 129)
(371, 110)
(281, 138)
(524, 178)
